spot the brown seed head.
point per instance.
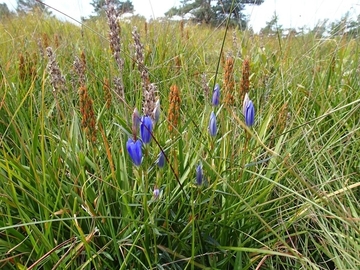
(229, 81)
(245, 80)
(177, 64)
(174, 109)
(107, 93)
(45, 40)
(182, 28)
(88, 121)
(22, 69)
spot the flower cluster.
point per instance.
(249, 116)
(145, 124)
(134, 145)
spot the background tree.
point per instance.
(338, 28)
(234, 9)
(4, 11)
(346, 26)
(319, 29)
(353, 27)
(201, 10)
(214, 12)
(121, 6)
(272, 27)
(26, 6)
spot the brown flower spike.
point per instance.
(174, 109)
(229, 81)
(245, 81)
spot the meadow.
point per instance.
(279, 193)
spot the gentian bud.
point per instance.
(156, 112)
(199, 174)
(161, 160)
(146, 129)
(216, 95)
(156, 192)
(135, 151)
(248, 111)
(212, 125)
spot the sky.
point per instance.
(291, 13)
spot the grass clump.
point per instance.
(281, 194)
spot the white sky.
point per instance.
(291, 13)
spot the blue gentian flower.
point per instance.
(135, 151)
(199, 174)
(161, 160)
(248, 111)
(146, 129)
(212, 125)
(216, 95)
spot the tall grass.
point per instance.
(282, 194)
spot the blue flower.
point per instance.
(216, 95)
(199, 174)
(161, 160)
(212, 125)
(248, 111)
(146, 129)
(135, 151)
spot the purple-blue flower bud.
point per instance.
(156, 192)
(157, 111)
(199, 174)
(216, 95)
(146, 129)
(212, 125)
(248, 111)
(161, 160)
(134, 150)
(135, 123)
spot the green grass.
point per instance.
(283, 194)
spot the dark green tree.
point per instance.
(121, 6)
(353, 27)
(345, 26)
(338, 28)
(26, 6)
(320, 29)
(234, 10)
(272, 27)
(214, 11)
(4, 11)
